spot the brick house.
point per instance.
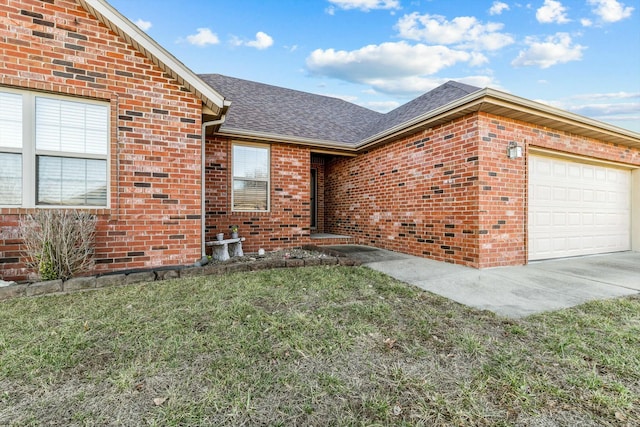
(431, 178)
(95, 114)
(166, 158)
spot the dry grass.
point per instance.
(313, 346)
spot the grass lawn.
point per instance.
(312, 346)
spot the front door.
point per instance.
(313, 190)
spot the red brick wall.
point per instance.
(154, 213)
(287, 222)
(449, 193)
(418, 195)
(504, 206)
(502, 187)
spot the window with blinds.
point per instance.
(53, 150)
(250, 177)
(10, 148)
(71, 150)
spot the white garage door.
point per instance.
(577, 208)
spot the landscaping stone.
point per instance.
(308, 256)
(273, 263)
(192, 272)
(110, 280)
(349, 262)
(215, 269)
(237, 268)
(145, 276)
(310, 262)
(14, 291)
(294, 262)
(79, 283)
(167, 274)
(42, 288)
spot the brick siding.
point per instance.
(154, 213)
(286, 224)
(449, 193)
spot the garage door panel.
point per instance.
(574, 219)
(577, 208)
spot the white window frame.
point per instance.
(30, 153)
(234, 178)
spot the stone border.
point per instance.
(165, 273)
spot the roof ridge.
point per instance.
(428, 101)
(282, 88)
(264, 108)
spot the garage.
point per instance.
(577, 207)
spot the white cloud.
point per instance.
(413, 86)
(465, 32)
(363, 5)
(620, 108)
(586, 22)
(203, 37)
(610, 10)
(618, 111)
(606, 96)
(382, 106)
(556, 49)
(262, 41)
(349, 98)
(387, 60)
(143, 25)
(552, 12)
(393, 67)
(498, 7)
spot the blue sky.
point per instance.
(579, 55)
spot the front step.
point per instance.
(326, 239)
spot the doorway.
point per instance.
(313, 193)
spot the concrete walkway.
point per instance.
(512, 291)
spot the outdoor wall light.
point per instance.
(514, 151)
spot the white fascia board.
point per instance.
(489, 96)
(423, 118)
(272, 137)
(558, 113)
(156, 53)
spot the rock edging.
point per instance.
(77, 284)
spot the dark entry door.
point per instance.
(313, 190)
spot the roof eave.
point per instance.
(272, 137)
(119, 24)
(517, 108)
(503, 104)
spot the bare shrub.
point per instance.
(59, 243)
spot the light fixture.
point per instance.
(514, 151)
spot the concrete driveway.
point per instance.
(512, 291)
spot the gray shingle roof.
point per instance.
(273, 110)
(438, 97)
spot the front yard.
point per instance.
(312, 346)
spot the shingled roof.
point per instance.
(438, 97)
(265, 112)
(275, 111)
